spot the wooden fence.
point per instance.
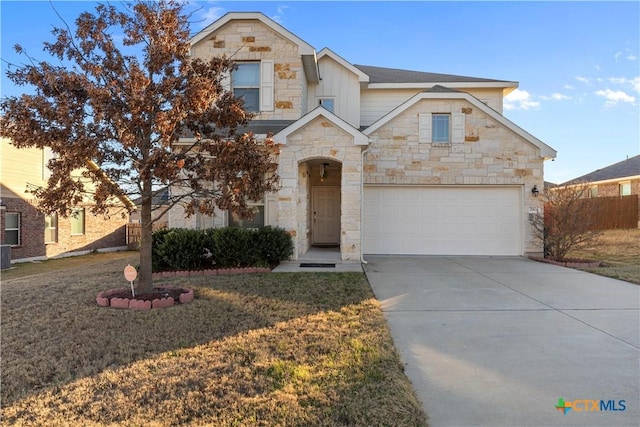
(613, 212)
(134, 233)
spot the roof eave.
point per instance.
(546, 152)
(510, 86)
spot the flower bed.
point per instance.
(164, 295)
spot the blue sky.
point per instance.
(577, 63)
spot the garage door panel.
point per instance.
(443, 220)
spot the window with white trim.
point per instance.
(245, 80)
(77, 222)
(328, 103)
(625, 188)
(440, 128)
(12, 228)
(51, 228)
(257, 221)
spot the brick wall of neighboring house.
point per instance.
(100, 232)
(31, 229)
(613, 188)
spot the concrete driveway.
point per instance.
(496, 341)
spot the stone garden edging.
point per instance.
(103, 299)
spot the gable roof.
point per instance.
(440, 92)
(307, 52)
(362, 77)
(625, 169)
(392, 77)
(358, 137)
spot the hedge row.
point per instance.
(230, 247)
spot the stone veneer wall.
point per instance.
(490, 155)
(251, 40)
(320, 139)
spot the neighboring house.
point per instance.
(159, 206)
(33, 235)
(618, 179)
(377, 160)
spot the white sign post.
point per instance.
(130, 273)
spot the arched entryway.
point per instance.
(320, 197)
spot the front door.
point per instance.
(326, 215)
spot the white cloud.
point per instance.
(632, 57)
(582, 79)
(614, 97)
(568, 87)
(634, 83)
(520, 100)
(280, 13)
(556, 97)
(204, 13)
(617, 56)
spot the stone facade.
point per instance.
(252, 40)
(490, 155)
(320, 140)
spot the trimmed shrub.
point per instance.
(182, 249)
(273, 245)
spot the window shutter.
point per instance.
(266, 85)
(226, 80)
(457, 127)
(424, 127)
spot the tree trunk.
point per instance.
(145, 282)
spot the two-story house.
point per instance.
(31, 234)
(377, 160)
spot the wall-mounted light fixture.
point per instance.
(324, 172)
(535, 191)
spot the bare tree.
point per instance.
(118, 117)
(568, 221)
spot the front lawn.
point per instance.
(619, 250)
(275, 349)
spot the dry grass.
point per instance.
(250, 350)
(620, 252)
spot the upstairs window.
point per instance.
(12, 228)
(440, 128)
(245, 80)
(327, 103)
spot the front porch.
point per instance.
(319, 259)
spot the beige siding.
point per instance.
(375, 103)
(342, 85)
(19, 167)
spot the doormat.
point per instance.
(317, 264)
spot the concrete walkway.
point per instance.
(492, 341)
(318, 259)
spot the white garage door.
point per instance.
(466, 220)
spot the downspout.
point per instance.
(364, 152)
